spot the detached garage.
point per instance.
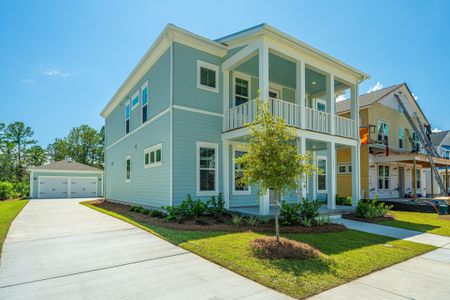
(65, 179)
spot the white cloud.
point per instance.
(378, 86)
(415, 97)
(53, 72)
(341, 98)
(28, 81)
(436, 130)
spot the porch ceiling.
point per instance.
(409, 158)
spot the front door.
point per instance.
(401, 182)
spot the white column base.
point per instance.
(264, 204)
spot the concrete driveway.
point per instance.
(58, 249)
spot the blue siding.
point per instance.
(190, 128)
(186, 92)
(148, 186)
(158, 78)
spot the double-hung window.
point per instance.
(207, 163)
(240, 187)
(418, 178)
(207, 76)
(144, 97)
(128, 168)
(383, 177)
(383, 131)
(135, 100)
(153, 156)
(322, 174)
(127, 116)
(241, 90)
(401, 136)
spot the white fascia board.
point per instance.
(67, 171)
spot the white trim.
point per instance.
(66, 171)
(384, 177)
(140, 127)
(245, 77)
(200, 111)
(171, 127)
(216, 169)
(345, 168)
(233, 166)
(127, 106)
(148, 151)
(319, 157)
(145, 85)
(135, 95)
(31, 184)
(127, 157)
(209, 66)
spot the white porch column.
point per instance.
(314, 178)
(354, 108)
(226, 98)
(331, 175)
(264, 71)
(332, 102)
(356, 167)
(226, 173)
(300, 91)
(302, 151)
(264, 204)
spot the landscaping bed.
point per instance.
(210, 223)
(355, 217)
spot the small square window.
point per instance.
(153, 156)
(207, 76)
(342, 169)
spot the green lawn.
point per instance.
(8, 211)
(425, 222)
(346, 255)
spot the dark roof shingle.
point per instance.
(437, 137)
(66, 165)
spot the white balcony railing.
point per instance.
(317, 120)
(345, 127)
(290, 112)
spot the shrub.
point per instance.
(263, 220)
(22, 189)
(289, 213)
(7, 190)
(268, 247)
(145, 211)
(252, 221)
(216, 207)
(305, 222)
(174, 213)
(187, 209)
(323, 220)
(370, 209)
(343, 200)
(156, 213)
(198, 208)
(236, 219)
(308, 209)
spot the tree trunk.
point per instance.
(277, 212)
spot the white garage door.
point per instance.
(83, 187)
(53, 187)
(67, 187)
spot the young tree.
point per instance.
(272, 160)
(20, 136)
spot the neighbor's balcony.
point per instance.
(238, 116)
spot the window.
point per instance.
(239, 186)
(383, 131)
(207, 76)
(241, 90)
(207, 174)
(135, 100)
(446, 154)
(128, 168)
(153, 156)
(383, 177)
(349, 168)
(399, 108)
(273, 93)
(418, 178)
(127, 116)
(144, 97)
(342, 169)
(401, 135)
(322, 174)
(415, 144)
(321, 105)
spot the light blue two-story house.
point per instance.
(176, 124)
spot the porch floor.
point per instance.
(323, 210)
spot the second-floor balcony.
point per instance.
(315, 120)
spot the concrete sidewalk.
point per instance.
(58, 249)
(424, 277)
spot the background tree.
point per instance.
(58, 150)
(35, 156)
(19, 136)
(272, 160)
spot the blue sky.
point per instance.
(61, 61)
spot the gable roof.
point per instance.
(438, 137)
(66, 165)
(366, 99)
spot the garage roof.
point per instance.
(66, 165)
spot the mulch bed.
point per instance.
(444, 217)
(268, 247)
(210, 223)
(352, 216)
